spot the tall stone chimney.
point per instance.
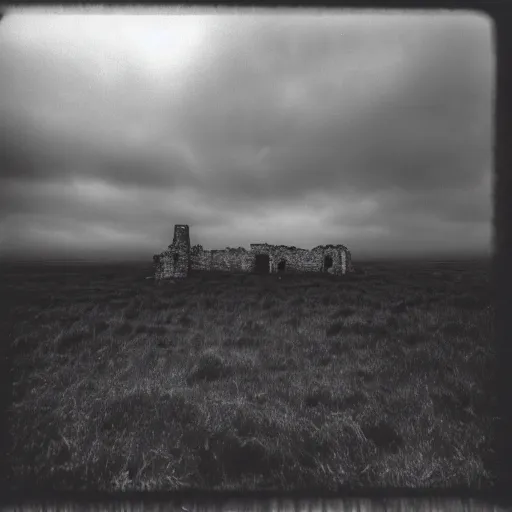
(180, 250)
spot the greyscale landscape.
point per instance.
(347, 342)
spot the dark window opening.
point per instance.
(176, 257)
(261, 263)
(327, 262)
(281, 266)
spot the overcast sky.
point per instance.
(371, 130)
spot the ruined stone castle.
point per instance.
(180, 258)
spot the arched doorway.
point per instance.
(281, 266)
(327, 262)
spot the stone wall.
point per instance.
(230, 260)
(180, 258)
(293, 259)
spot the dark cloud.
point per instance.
(370, 130)
(426, 123)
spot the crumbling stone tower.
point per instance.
(181, 250)
(175, 261)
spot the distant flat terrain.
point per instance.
(379, 378)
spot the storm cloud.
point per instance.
(373, 130)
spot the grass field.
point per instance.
(247, 382)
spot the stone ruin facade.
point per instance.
(180, 258)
